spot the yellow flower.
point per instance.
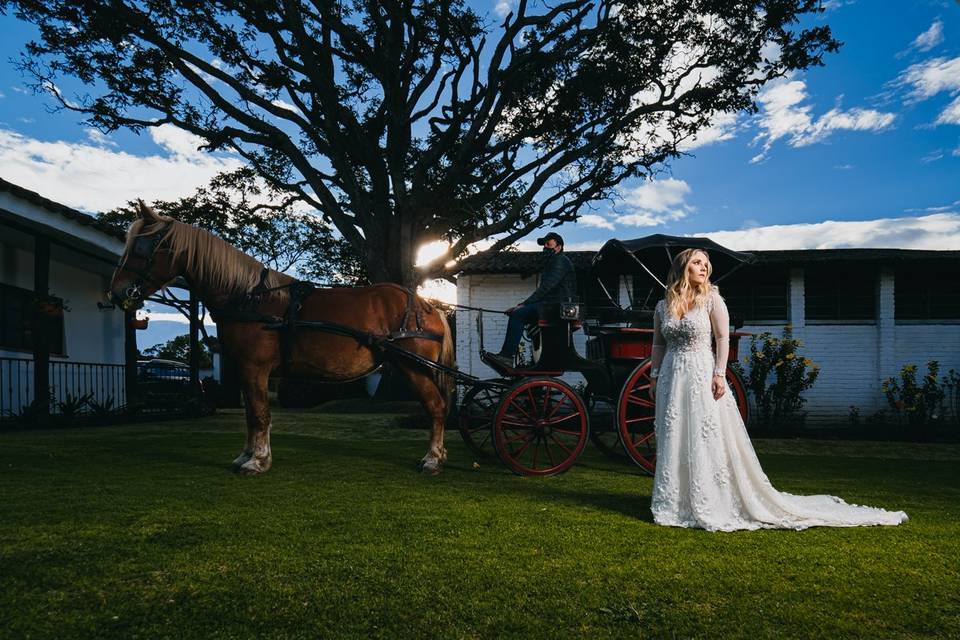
(816, 366)
(758, 355)
(790, 356)
(807, 362)
(779, 362)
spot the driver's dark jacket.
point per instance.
(558, 282)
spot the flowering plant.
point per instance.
(777, 377)
(921, 403)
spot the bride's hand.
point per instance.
(718, 387)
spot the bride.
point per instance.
(707, 474)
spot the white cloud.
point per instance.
(929, 38)
(785, 113)
(97, 178)
(830, 5)
(950, 115)
(939, 231)
(175, 316)
(932, 77)
(177, 141)
(595, 221)
(100, 139)
(503, 7)
(590, 245)
(654, 202)
(286, 105)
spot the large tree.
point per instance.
(406, 122)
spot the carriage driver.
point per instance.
(558, 283)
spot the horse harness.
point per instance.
(290, 322)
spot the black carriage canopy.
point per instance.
(650, 257)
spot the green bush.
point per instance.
(919, 403)
(777, 377)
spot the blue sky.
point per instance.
(868, 137)
(864, 151)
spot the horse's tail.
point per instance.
(448, 358)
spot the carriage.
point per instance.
(536, 423)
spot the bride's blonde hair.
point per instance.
(679, 289)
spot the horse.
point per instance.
(244, 298)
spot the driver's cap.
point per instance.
(550, 236)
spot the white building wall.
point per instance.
(91, 335)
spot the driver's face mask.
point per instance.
(547, 250)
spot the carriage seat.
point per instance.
(555, 314)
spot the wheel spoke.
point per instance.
(519, 452)
(640, 419)
(643, 402)
(568, 432)
(513, 402)
(560, 444)
(522, 436)
(533, 403)
(515, 423)
(564, 398)
(563, 419)
(546, 446)
(644, 438)
(536, 450)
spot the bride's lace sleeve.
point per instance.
(720, 319)
(659, 343)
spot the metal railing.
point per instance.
(76, 388)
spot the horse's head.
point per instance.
(145, 266)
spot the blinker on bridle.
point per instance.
(144, 249)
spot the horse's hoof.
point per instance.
(430, 467)
(253, 467)
(240, 460)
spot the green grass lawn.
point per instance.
(141, 531)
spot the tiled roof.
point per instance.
(524, 262)
(55, 207)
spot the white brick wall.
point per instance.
(854, 359)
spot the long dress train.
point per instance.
(707, 474)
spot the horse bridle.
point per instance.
(144, 249)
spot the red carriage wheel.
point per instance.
(540, 427)
(739, 394)
(634, 419)
(606, 439)
(476, 415)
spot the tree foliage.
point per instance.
(179, 349)
(263, 222)
(406, 122)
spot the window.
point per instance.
(931, 292)
(758, 294)
(19, 317)
(841, 293)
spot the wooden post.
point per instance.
(194, 344)
(41, 327)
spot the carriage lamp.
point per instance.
(569, 311)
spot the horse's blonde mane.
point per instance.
(210, 262)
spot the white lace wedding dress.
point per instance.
(708, 475)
